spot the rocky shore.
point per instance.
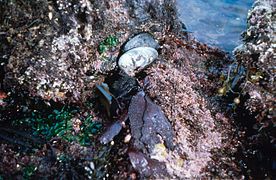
(256, 76)
(172, 116)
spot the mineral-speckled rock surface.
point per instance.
(196, 126)
(54, 44)
(257, 54)
(50, 51)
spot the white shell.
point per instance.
(137, 59)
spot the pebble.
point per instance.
(137, 59)
(127, 138)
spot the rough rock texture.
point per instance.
(54, 56)
(148, 124)
(54, 44)
(17, 165)
(257, 55)
(200, 130)
(147, 167)
(192, 120)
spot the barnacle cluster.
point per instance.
(257, 56)
(55, 53)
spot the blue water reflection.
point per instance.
(215, 22)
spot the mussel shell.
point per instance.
(141, 40)
(137, 59)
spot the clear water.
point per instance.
(215, 22)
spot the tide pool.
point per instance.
(215, 22)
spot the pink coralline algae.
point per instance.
(191, 119)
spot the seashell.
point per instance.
(141, 40)
(137, 59)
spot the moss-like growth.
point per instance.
(109, 42)
(61, 123)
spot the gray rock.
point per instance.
(141, 40)
(145, 166)
(111, 132)
(149, 126)
(137, 59)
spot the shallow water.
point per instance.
(215, 22)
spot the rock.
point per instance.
(122, 88)
(56, 57)
(137, 59)
(145, 10)
(141, 40)
(257, 55)
(145, 166)
(111, 132)
(149, 126)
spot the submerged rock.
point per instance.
(141, 40)
(137, 59)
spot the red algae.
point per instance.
(194, 125)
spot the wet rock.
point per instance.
(257, 55)
(111, 132)
(257, 102)
(149, 126)
(56, 57)
(137, 59)
(145, 10)
(141, 40)
(123, 87)
(145, 166)
(196, 133)
(105, 97)
(138, 10)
